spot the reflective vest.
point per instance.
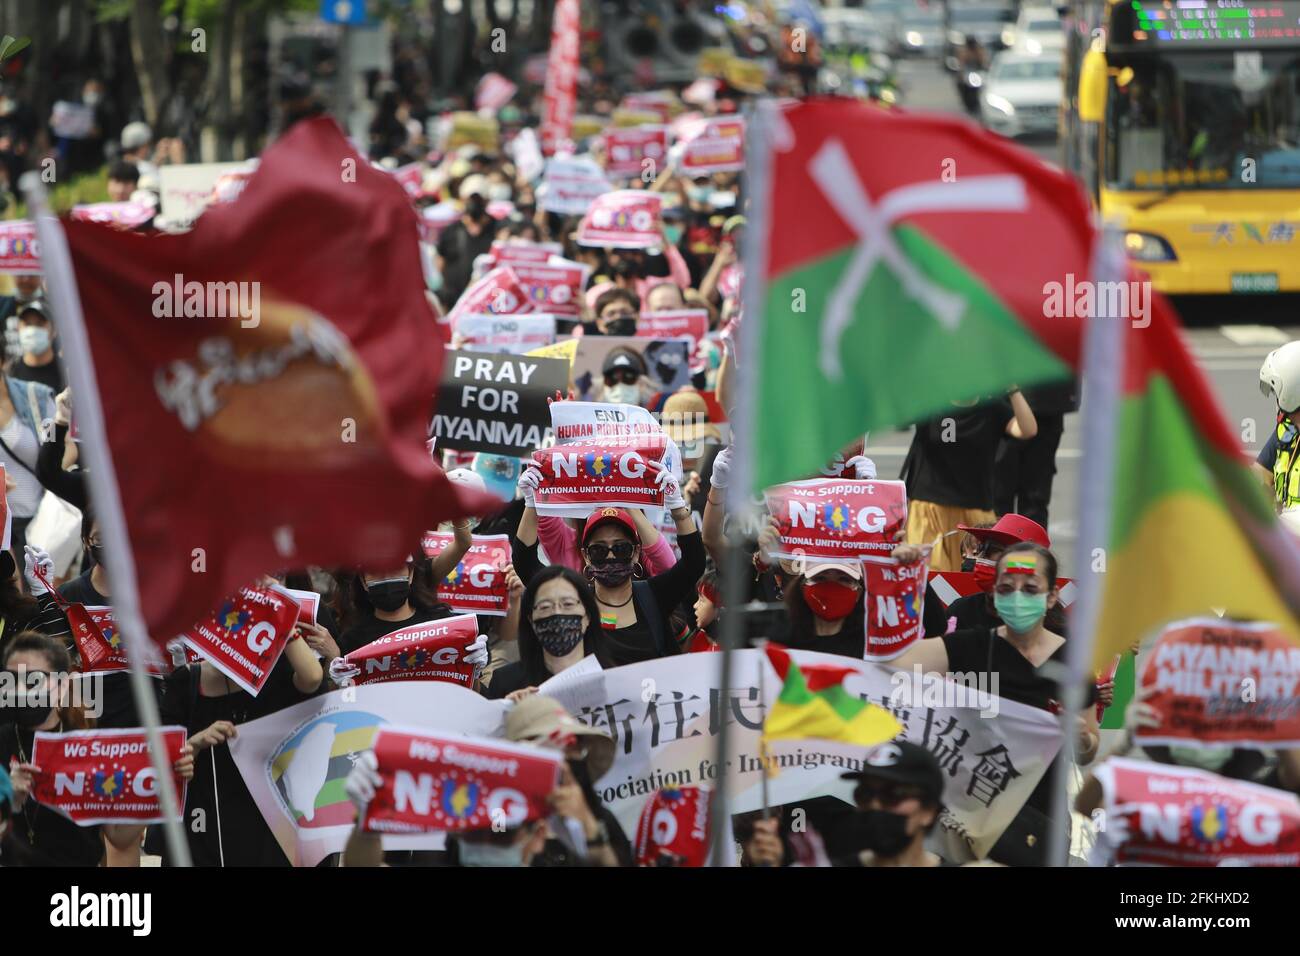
(1286, 466)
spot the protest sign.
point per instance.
(674, 323)
(710, 145)
(454, 784)
(624, 219)
(596, 422)
(477, 585)
(893, 605)
(571, 184)
(467, 128)
(829, 518)
(668, 363)
(126, 215)
(496, 403)
(580, 479)
(674, 827)
(496, 293)
(245, 636)
(586, 126)
(70, 120)
(1219, 683)
(1164, 815)
(561, 89)
(527, 154)
(434, 219)
(432, 651)
(632, 119)
(663, 103)
(517, 251)
(992, 758)
(100, 644)
(493, 92)
(294, 761)
(20, 250)
(566, 350)
(631, 151)
(554, 287)
(104, 776)
(410, 177)
(308, 604)
(186, 189)
(504, 333)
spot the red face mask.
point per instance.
(986, 573)
(829, 600)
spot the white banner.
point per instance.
(577, 423)
(515, 334)
(294, 761)
(571, 184)
(664, 716)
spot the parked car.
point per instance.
(989, 24)
(1021, 94)
(921, 31)
(1037, 29)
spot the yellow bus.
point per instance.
(1182, 118)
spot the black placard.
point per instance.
(496, 403)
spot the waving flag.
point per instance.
(814, 703)
(886, 283)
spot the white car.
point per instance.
(1022, 94)
(1037, 30)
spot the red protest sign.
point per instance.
(434, 650)
(477, 585)
(829, 518)
(555, 289)
(517, 251)
(493, 92)
(623, 219)
(19, 248)
(308, 603)
(660, 102)
(100, 643)
(125, 215)
(713, 146)
(674, 828)
(577, 479)
(104, 776)
(245, 636)
(1223, 683)
(411, 179)
(1162, 815)
(560, 94)
(628, 147)
(895, 600)
(673, 323)
(497, 293)
(433, 782)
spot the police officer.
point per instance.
(1278, 465)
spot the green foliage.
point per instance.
(12, 46)
(87, 188)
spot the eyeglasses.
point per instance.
(1030, 587)
(599, 553)
(885, 794)
(547, 608)
(628, 376)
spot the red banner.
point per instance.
(623, 219)
(20, 250)
(1223, 683)
(497, 293)
(674, 323)
(556, 289)
(674, 828)
(434, 650)
(831, 518)
(561, 88)
(628, 147)
(245, 636)
(477, 585)
(1161, 815)
(104, 776)
(432, 782)
(894, 605)
(577, 479)
(951, 585)
(713, 146)
(125, 215)
(529, 253)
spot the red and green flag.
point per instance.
(1188, 527)
(814, 703)
(904, 263)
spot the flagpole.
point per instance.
(101, 479)
(1102, 370)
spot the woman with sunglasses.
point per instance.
(559, 625)
(1013, 661)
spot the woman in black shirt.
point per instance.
(559, 625)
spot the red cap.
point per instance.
(606, 515)
(1011, 529)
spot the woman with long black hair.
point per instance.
(559, 625)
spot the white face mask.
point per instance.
(490, 854)
(1212, 759)
(622, 394)
(33, 339)
(499, 192)
(91, 98)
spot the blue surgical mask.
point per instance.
(490, 854)
(698, 194)
(1020, 611)
(673, 233)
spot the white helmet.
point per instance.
(1279, 376)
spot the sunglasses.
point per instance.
(600, 553)
(628, 376)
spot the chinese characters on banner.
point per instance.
(104, 776)
(477, 585)
(836, 518)
(437, 782)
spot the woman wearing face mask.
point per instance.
(624, 374)
(559, 625)
(1010, 660)
(386, 601)
(616, 312)
(23, 406)
(898, 797)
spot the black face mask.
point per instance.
(623, 326)
(627, 269)
(388, 595)
(97, 554)
(476, 208)
(881, 832)
(967, 565)
(559, 634)
(612, 573)
(14, 709)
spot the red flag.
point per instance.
(561, 76)
(266, 380)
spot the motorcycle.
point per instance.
(969, 84)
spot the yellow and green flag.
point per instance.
(814, 703)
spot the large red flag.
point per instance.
(267, 379)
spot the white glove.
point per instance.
(363, 780)
(833, 468)
(864, 469)
(668, 483)
(529, 479)
(477, 654)
(35, 559)
(342, 671)
(721, 470)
